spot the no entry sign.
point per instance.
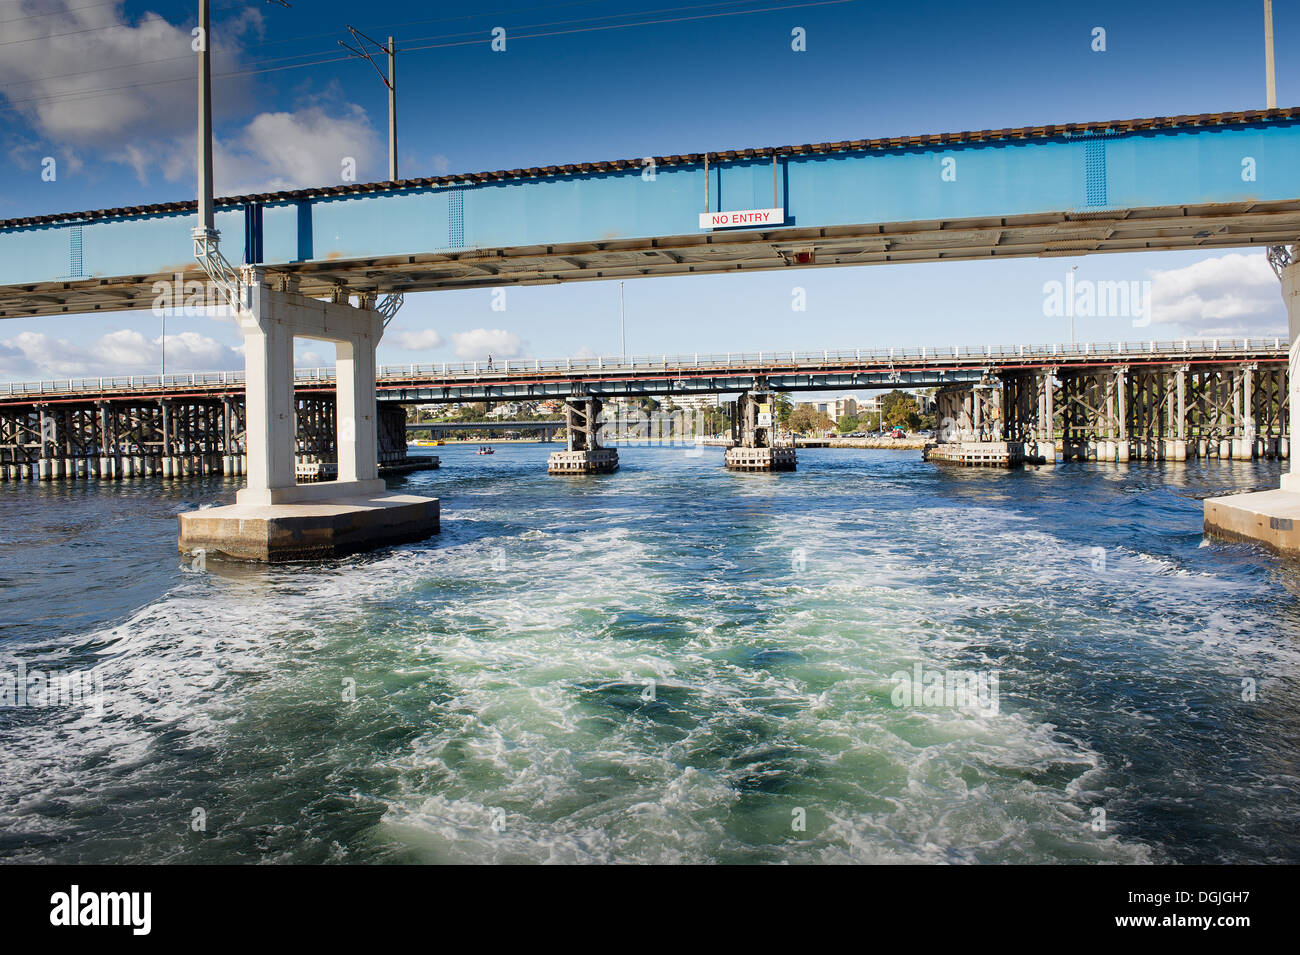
(750, 217)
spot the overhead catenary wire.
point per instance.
(56, 13)
(75, 95)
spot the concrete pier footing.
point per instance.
(595, 461)
(1271, 518)
(761, 459)
(312, 531)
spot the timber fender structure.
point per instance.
(598, 461)
(981, 454)
(760, 459)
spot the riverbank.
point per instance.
(878, 444)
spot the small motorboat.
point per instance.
(485, 450)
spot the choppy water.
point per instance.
(501, 670)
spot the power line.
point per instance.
(128, 26)
(251, 46)
(52, 13)
(73, 95)
(609, 16)
(123, 66)
(622, 26)
(87, 94)
(107, 26)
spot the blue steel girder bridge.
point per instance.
(1149, 400)
(300, 258)
(1184, 182)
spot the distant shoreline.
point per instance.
(880, 444)
(870, 444)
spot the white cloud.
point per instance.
(422, 340)
(312, 359)
(482, 342)
(1234, 295)
(293, 150)
(90, 77)
(120, 352)
(94, 82)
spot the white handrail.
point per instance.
(472, 369)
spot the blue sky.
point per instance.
(106, 88)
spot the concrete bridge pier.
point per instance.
(752, 427)
(275, 518)
(583, 453)
(1271, 518)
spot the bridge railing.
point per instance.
(826, 358)
(777, 359)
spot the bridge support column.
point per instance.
(752, 427)
(1047, 420)
(274, 518)
(1271, 518)
(45, 435)
(583, 453)
(1122, 446)
(1178, 452)
(1243, 444)
(227, 457)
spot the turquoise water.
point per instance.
(486, 696)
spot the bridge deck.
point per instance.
(1127, 185)
(866, 368)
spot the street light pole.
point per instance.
(1270, 76)
(205, 121)
(392, 111)
(1069, 302)
(622, 325)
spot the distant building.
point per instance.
(695, 402)
(835, 408)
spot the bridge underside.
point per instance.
(1214, 226)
